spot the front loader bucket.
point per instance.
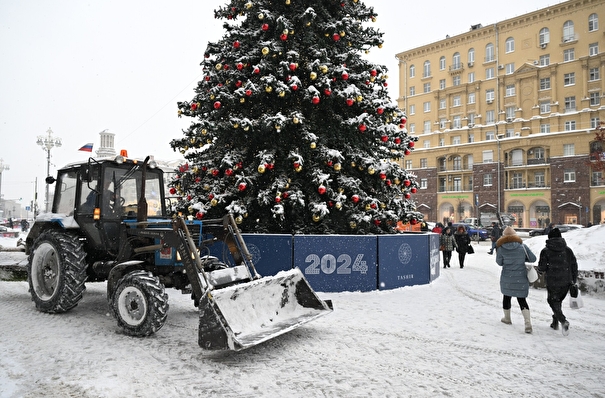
(243, 315)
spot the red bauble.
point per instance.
(226, 67)
(241, 186)
(294, 87)
(384, 138)
(329, 163)
(336, 37)
(407, 183)
(256, 70)
(239, 66)
(283, 37)
(327, 91)
(380, 111)
(377, 222)
(383, 176)
(198, 179)
(238, 83)
(403, 120)
(406, 152)
(411, 144)
(350, 101)
(321, 189)
(215, 172)
(362, 127)
(207, 78)
(413, 221)
(172, 191)
(315, 100)
(413, 190)
(355, 198)
(296, 165)
(373, 206)
(397, 140)
(293, 66)
(285, 195)
(345, 76)
(199, 215)
(277, 199)
(373, 72)
(189, 197)
(407, 195)
(248, 92)
(193, 107)
(229, 172)
(385, 84)
(388, 182)
(236, 44)
(217, 105)
(265, 27)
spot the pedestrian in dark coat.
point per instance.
(511, 255)
(447, 241)
(559, 264)
(494, 236)
(463, 240)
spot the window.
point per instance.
(471, 138)
(471, 77)
(489, 73)
(471, 98)
(456, 61)
(426, 143)
(457, 163)
(423, 163)
(424, 183)
(544, 36)
(568, 31)
(442, 123)
(412, 109)
(593, 22)
(490, 136)
(545, 60)
(408, 164)
(456, 80)
(545, 83)
(517, 181)
(545, 107)
(570, 104)
(594, 122)
(595, 98)
(539, 153)
(456, 100)
(427, 126)
(412, 71)
(426, 69)
(593, 74)
(569, 79)
(469, 161)
(489, 52)
(510, 90)
(539, 179)
(569, 175)
(456, 140)
(488, 156)
(490, 116)
(568, 55)
(471, 119)
(569, 149)
(442, 103)
(426, 106)
(510, 68)
(509, 133)
(510, 45)
(471, 56)
(593, 49)
(545, 128)
(489, 95)
(487, 180)
(570, 125)
(442, 63)
(412, 127)
(441, 84)
(426, 87)
(442, 142)
(597, 178)
(457, 122)
(510, 112)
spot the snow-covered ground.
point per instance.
(439, 340)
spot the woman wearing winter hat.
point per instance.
(559, 263)
(510, 255)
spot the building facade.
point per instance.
(505, 117)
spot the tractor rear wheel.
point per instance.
(140, 303)
(56, 271)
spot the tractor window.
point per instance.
(65, 194)
(128, 190)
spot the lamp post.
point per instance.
(3, 167)
(47, 143)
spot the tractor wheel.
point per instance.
(140, 304)
(56, 271)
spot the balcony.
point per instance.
(453, 188)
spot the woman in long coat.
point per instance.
(463, 240)
(447, 241)
(511, 256)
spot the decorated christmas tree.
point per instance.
(293, 129)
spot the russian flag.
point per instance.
(86, 148)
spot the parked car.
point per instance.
(562, 227)
(476, 233)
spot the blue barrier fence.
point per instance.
(338, 263)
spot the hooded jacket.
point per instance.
(559, 263)
(510, 255)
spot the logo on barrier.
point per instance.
(254, 252)
(343, 265)
(405, 253)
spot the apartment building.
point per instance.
(505, 116)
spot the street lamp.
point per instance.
(47, 143)
(2, 168)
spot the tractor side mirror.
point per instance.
(50, 180)
(85, 173)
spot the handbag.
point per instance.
(470, 250)
(576, 302)
(573, 290)
(441, 248)
(532, 274)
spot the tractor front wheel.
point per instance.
(140, 303)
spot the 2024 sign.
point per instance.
(343, 265)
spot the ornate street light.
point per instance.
(3, 167)
(47, 143)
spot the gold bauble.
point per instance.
(239, 219)
(313, 75)
(281, 93)
(261, 169)
(261, 16)
(337, 166)
(397, 181)
(218, 66)
(359, 98)
(323, 69)
(298, 169)
(213, 202)
(248, 5)
(204, 131)
(268, 89)
(246, 128)
(338, 206)
(342, 33)
(287, 2)
(368, 207)
(313, 145)
(242, 100)
(371, 170)
(353, 224)
(316, 218)
(265, 50)
(352, 164)
(308, 23)
(382, 205)
(235, 125)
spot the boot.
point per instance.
(506, 318)
(528, 328)
(555, 323)
(565, 328)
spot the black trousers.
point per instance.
(556, 295)
(506, 303)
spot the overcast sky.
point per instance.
(81, 67)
